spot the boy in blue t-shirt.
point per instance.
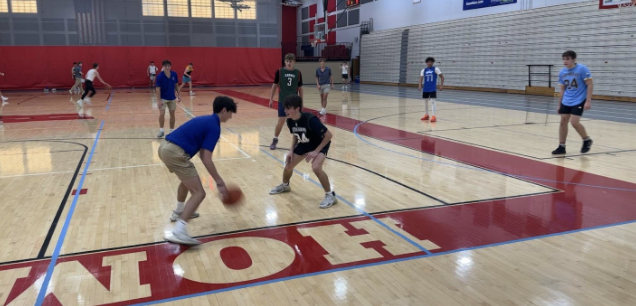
(198, 135)
(167, 81)
(576, 95)
(428, 86)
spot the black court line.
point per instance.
(27, 100)
(588, 154)
(380, 175)
(60, 209)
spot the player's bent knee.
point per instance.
(316, 168)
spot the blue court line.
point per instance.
(355, 132)
(183, 297)
(110, 99)
(71, 210)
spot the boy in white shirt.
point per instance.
(152, 74)
(345, 74)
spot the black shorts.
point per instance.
(429, 95)
(576, 110)
(304, 149)
(345, 76)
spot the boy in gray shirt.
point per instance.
(324, 82)
(77, 74)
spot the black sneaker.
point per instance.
(559, 150)
(587, 145)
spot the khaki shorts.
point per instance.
(177, 160)
(171, 104)
(324, 89)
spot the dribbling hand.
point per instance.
(223, 192)
(271, 103)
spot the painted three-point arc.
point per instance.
(160, 271)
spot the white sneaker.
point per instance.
(176, 215)
(181, 237)
(329, 200)
(88, 100)
(80, 103)
(192, 93)
(4, 103)
(161, 133)
(323, 111)
(4, 98)
(282, 188)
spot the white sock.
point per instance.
(180, 207)
(275, 137)
(181, 227)
(434, 106)
(160, 129)
(426, 106)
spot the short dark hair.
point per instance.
(322, 60)
(79, 63)
(74, 63)
(222, 102)
(152, 62)
(430, 59)
(290, 56)
(95, 65)
(293, 101)
(191, 64)
(571, 54)
(166, 62)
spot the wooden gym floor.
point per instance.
(471, 210)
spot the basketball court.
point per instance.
(470, 210)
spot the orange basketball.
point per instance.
(235, 195)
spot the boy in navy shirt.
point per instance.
(576, 95)
(198, 135)
(311, 142)
(167, 82)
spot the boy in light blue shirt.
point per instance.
(576, 96)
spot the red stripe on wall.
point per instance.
(36, 67)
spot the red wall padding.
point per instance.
(289, 24)
(331, 6)
(40, 67)
(313, 9)
(331, 23)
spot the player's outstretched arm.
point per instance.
(206, 158)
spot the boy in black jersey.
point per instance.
(311, 142)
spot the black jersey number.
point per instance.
(289, 81)
(302, 138)
(569, 85)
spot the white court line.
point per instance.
(114, 168)
(239, 149)
(33, 174)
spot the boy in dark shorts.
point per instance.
(576, 95)
(288, 81)
(428, 86)
(310, 142)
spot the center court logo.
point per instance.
(165, 271)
